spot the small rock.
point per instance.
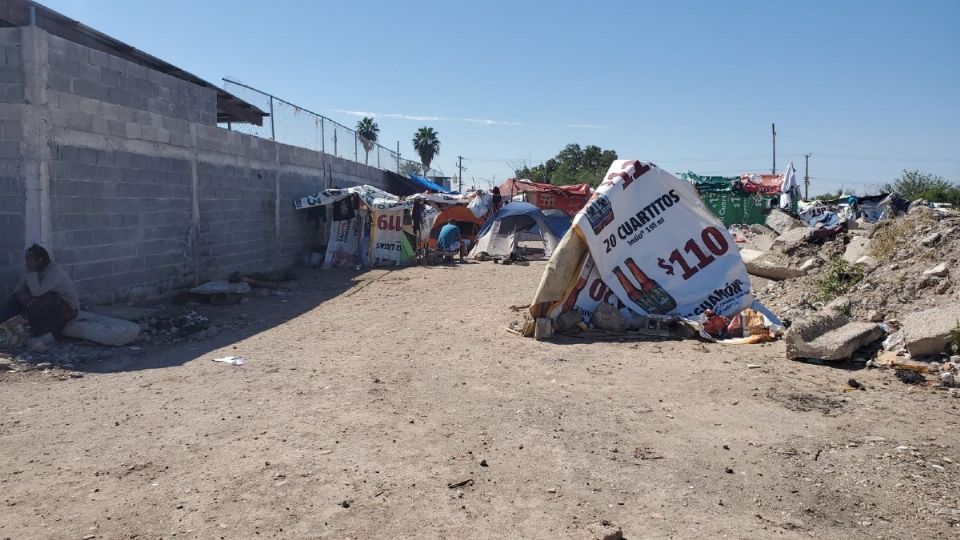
(44, 365)
(809, 264)
(940, 270)
(853, 383)
(483, 463)
(728, 470)
(552, 490)
(874, 316)
(345, 504)
(605, 530)
(931, 239)
(948, 379)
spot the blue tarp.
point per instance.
(428, 184)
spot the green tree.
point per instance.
(913, 185)
(572, 165)
(369, 131)
(426, 142)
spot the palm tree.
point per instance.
(427, 144)
(367, 129)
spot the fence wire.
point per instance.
(294, 125)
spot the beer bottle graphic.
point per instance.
(651, 297)
(572, 299)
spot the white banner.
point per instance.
(343, 248)
(388, 238)
(657, 248)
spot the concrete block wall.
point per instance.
(121, 220)
(238, 210)
(89, 78)
(135, 188)
(12, 190)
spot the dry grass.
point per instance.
(892, 235)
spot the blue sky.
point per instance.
(868, 87)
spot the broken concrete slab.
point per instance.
(791, 238)
(101, 329)
(222, 287)
(855, 249)
(829, 337)
(940, 270)
(767, 266)
(929, 332)
(781, 222)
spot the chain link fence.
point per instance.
(294, 125)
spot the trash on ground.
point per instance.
(232, 360)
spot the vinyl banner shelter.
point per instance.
(648, 245)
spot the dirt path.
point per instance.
(362, 402)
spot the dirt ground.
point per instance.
(394, 404)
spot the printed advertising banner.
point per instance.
(388, 238)
(656, 248)
(343, 248)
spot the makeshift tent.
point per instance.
(739, 200)
(647, 245)
(468, 223)
(377, 236)
(569, 199)
(500, 234)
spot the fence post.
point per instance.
(323, 138)
(335, 143)
(273, 122)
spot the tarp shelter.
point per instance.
(647, 245)
(506, 227)
(468, 223)
(376, 236)
(568, 199)
(739, 200)
(428, 185)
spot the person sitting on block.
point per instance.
(46, 297)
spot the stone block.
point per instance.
(829, 337)
(781, 222)
(929, 332)
(768, 266)
(856, 249)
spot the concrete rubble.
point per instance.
(829, 337)
(930, 332)
(781, 222)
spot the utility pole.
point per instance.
(773, 132)
(460, 175)
(806, 177)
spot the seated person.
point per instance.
(45, 297)
(448, 241)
